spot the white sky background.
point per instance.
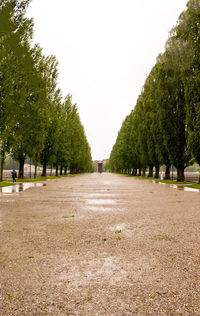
(105, 50)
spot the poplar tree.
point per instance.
(187, 33)
(15, 33)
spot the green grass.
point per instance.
(159, 180)
(40, 178)
(188, 184)
(172, 181)
(144, 177)
(138, 177)
(31, 179)
(194, 185)
(118, 231)
(6, 184)
(118, 238)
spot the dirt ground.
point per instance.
(100, 245)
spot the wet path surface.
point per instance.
(100, 244)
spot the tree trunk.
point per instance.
(35, 172)
(143, 172)
(61, 170)
(51, 170)
(2, 164)
(56, 170)
(140, 172)
(167, 172)
(44, 171)
(21, 168)
(65, 171)
(180, 174)
(157, 172)
(150, 174)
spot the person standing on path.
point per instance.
(14, 174)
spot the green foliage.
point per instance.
(107, 165)
(34, 122)
(187, 34)
(164, 127)
(10, 163)
(5, 184)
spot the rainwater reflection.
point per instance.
(101, 205)
(101, 209)
(178, 187)
(20, 187)
(100, 201)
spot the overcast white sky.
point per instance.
(105, 50)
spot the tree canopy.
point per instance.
(35, 120)
(164, 126)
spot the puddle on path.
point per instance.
(101, 208)
(100, 201)
(100, 205)
(178, 187)
(102, 195)
(93, 195)
(20, 187)
(122, 229)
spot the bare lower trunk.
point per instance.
(30, 173)
(2, 164)
(56, 170)
(140, 172)
(65, 171)
(21, 168)
(157, 172)
(180, 174)
(150, 174)
(143, 172)
(167, 172)
(35, 172)
(44, 170)
(51, 171)
(61, 170)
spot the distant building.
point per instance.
(99, 165)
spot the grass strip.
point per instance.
(187, 183)
(6, 184)
(40, 178)
(173, 181)
(194, 185)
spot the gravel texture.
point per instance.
(100, 245)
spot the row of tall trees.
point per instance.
(34, 120)
(164, 126)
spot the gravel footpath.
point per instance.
(100, 245)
